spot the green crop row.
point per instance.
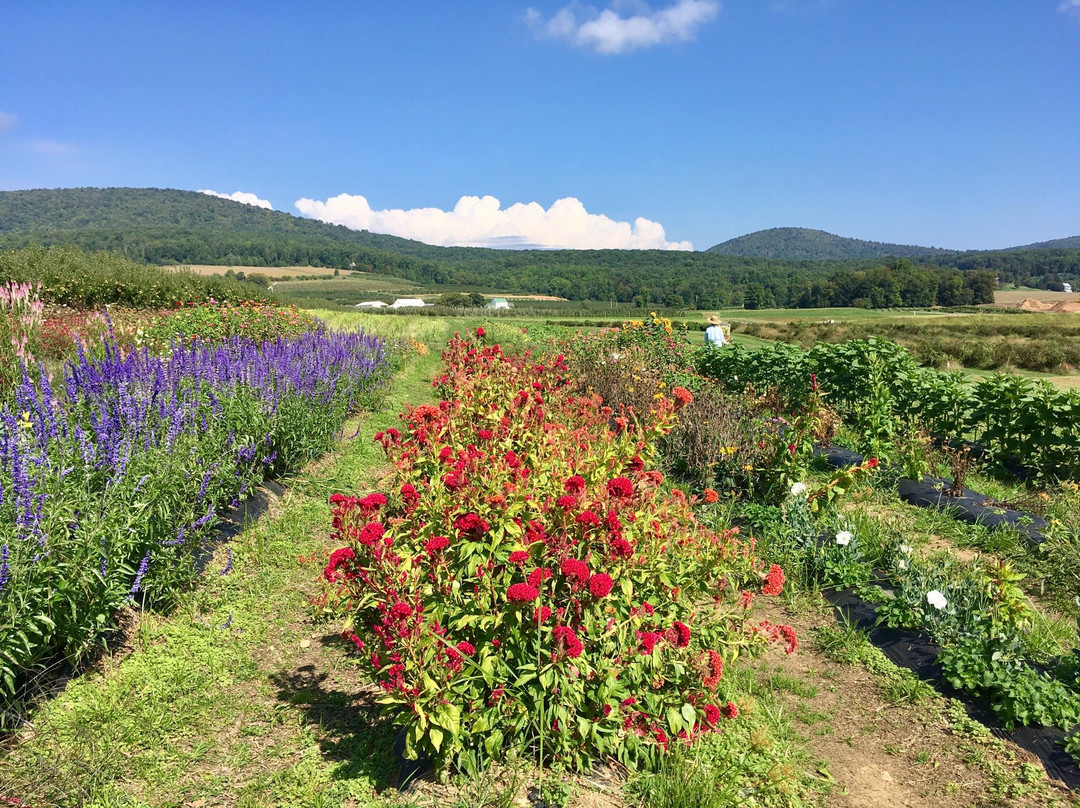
(880, 389)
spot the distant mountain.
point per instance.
(804, 244)
(1070, 243)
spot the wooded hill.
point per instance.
(185, 227)
(804, 244)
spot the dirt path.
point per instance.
(882, 754)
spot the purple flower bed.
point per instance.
(111, 479)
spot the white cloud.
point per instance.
(7, 120)
(482, 222)
(1069, 7)
(608, 31)
(241, 196)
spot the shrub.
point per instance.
(20, 324)
(526, 582)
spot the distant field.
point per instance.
(1013, 297)
(355, 282)
(824, 315)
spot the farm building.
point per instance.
(372, 304)
(407, 302)
(498, 303)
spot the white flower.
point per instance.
(798, 489)
(843, 538)
(936, 599)
(901, 564)
(905, 549)
(616, 356)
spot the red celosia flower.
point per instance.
(519, 557)
(649, 639)
(600, 584)
(636, 464)
(471, 523)
(400, 611)
(370, 534)
(745, 599)
(587, 518)
(679, 634)
(409, 494)
(788, 633)
(522, 593)
(573, 568)
(338, 558)
(574, 485)
(485, 434)
(621, 548)
(337, 499)
(568, 639)
(872, 463)
(538, 576)
(435, 544)
(372, 502)
(774, 581)
(661, 737)
(712, 714)
(542, 615)
(711, 496)
(480, 332)
(620, 488)
(682, 397)
(567, 502)
(466, 648)
(714, 667)
(731, 710)
(511, 460)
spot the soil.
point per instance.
(883, 755)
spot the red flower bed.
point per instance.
(529, 579)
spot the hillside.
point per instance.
(167, 227)
(1070, 243)
(803, 244)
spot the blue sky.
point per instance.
(951, 124)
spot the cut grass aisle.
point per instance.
(230, 700)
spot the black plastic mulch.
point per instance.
(913, 650)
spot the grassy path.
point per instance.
(230, 700)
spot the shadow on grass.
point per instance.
(346, 723)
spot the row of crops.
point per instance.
(1026, 426)
(119, 456)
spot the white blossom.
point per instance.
(843, 538)
(936, 599)
(798, 489)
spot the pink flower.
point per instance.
(600, 584)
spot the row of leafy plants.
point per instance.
(114, 470)
(71, 277)
(881, 391)
(527, 580)
(767, 417)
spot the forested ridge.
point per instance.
(185, 227)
